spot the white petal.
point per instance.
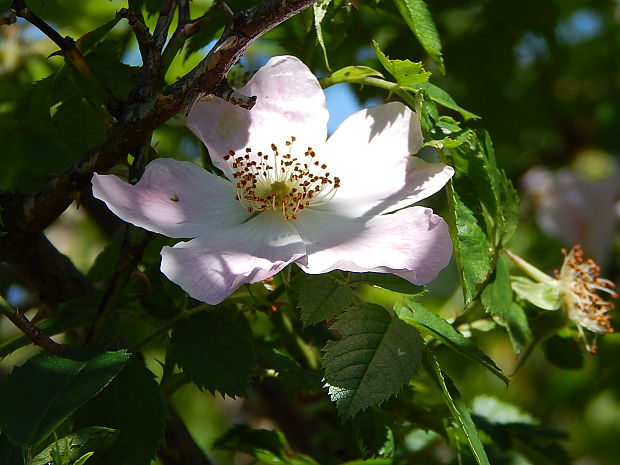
(412, 243)
(210, 268)
(370, 153)
(290, 103)
(175, 198)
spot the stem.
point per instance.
(529, 269)
(391, 87)
(37, 336)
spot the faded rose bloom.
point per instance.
(575, 206)
(290, 195)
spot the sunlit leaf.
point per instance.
(376, 356)
(419, 19)
(430, 323)
(406, 72)
(387, 281)
(320, 8)
(457, 407)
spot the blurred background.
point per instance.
(543, 75)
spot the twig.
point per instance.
(37, 336)
(68, 49)
(143, 35)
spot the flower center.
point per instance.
(281, 182)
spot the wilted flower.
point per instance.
(580, 285)
(290, 196)
(575, 288)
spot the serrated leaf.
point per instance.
(483, 213)
(419, 19)
(215, 350)
(437, 94)
(320, 8)
(387, 281)
(132, 404)
(376, 356)
(270, 447)
(497, 300)
(543, 295)
(76, 445)
(430, 323)
(42, 393)
(406, 72)
(321, 297)
(457, 407)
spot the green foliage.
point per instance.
(38, 396)
(269, 447)
(376, 355)
(387, 281)
(484, 210)
(77, 446)
(214, 348)
(497, 300)
(419, 19)
(320, 8)
(459, 410)
(406, 72)
(529, 74)
(428, 322)
(322, 297)
(133, 405)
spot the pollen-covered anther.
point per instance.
(291, 184)
(580, 285)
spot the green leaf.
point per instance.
(354, 73)
(270, 447)
(215, 350)
(89, 40)
(132, 404)
(41, 394)
(458, 408)
(419, 19)
(376, 356)
(469, 238)
(320, 8)
(430, 323)
(437, 94)
(497, 300)
(387, 281)
(74, 446)
(322, 297)
(543, 295)
(498, 411)
(484, 209)
(406, 72)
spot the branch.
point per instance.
(41, 208)
(37, 336)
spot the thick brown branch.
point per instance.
(37, 336)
